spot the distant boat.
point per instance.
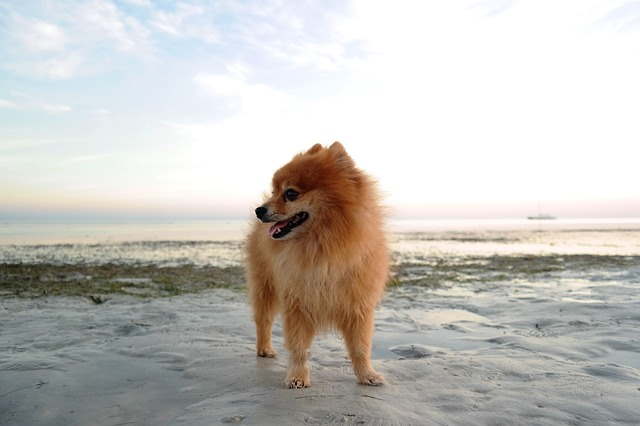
(541, 217)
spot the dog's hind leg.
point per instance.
(264, 303)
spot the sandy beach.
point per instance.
(493, 326)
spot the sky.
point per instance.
(460, 109)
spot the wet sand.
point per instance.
(476, 328)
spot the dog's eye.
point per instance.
(290, 194)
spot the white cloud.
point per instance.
(55, 108)
(101, 19)
(61, 67)
(325, 56)
(73, 39)
(623, 17)
(58, 67)
(84, 158)
(29, 103)
(492, 7)
(12, 144)
(141, 3)
(308, 37)
(8, 104)
(254, 98)
(37, 35)
(172, 23)
(299, 37)
(187, 21)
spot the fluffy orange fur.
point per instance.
(329, 272)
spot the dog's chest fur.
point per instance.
(315, 288)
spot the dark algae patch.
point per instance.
(437, 271)
(46, 279)
(41, 279)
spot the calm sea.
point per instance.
(23, 233)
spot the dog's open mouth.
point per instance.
(282, 228)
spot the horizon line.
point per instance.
(166, 219)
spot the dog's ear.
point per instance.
(340, 154)
(337, 148)
(317, 147)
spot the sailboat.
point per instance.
(541, 216)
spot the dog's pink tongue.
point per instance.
(276, 226)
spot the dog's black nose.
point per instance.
(261, 211)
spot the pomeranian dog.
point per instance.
(318, 255)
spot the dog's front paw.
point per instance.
(298, 378)
(267, 352)
(297, 383)
(371, 378)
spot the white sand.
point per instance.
(449, 359)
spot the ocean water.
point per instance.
(27, 233)
(220, 242)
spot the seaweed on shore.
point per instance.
(435, 272)
(41, 279)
